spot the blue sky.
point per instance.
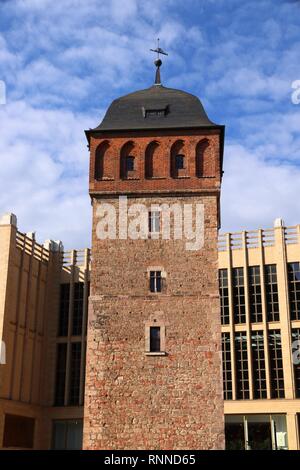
(64, 62)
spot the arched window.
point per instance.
(152, 162)
(127, 160)
(178, 159)
(101, 165)
(204, 160)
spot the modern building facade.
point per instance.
(260, 306)
(43, 316)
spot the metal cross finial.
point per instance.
(158, 63)
(158, 50)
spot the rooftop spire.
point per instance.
(158, 63)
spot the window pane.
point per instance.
(179, 162)
(64, 310)
(227, 372)
(61, 360)
(78, 308)
(272, 292)
(294, 290)
(155, 281)
(224, 296)
(255, 294)
(154, 338)
(75, 374)
(74, 435)
(259, 369)
(242, 374)
(277, 381)
(59, 435)
(154, 221)
(67, 434)
(239, 295)
(129, 163)
(295, 348)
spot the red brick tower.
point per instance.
(153, 378)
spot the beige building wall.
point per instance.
(30, 279)
(279, 245)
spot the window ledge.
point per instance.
(156, 178)
(157, 353)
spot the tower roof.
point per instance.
(156, 107)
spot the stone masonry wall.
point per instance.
(137, 401)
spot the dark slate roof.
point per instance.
(138, 110)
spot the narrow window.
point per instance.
(154, 222)
(227, 370)
(255, 294)
(277, 379)
(61, 365)
(179, 162)
(294, 289)
(129, 163)
(224, 296)
(64, 310)
(295, 349)
(259, 367)
(239, 295)
(154, 338)
(74, 391)
(155, 281)
(272, 292)
(242, 373)
(67, 434)
(78, 308)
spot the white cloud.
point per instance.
(44, 172)
(256, 191)
(63, 62)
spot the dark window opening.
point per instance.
(64, 310)
(154, 113)
(78, 308)
(61, 363)
(155, 281)
(154, 339)
(179, 162)
(18, 432)
(129, 163)
(74, 391)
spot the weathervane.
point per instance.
(158, 62)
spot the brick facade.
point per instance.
(134, 399)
